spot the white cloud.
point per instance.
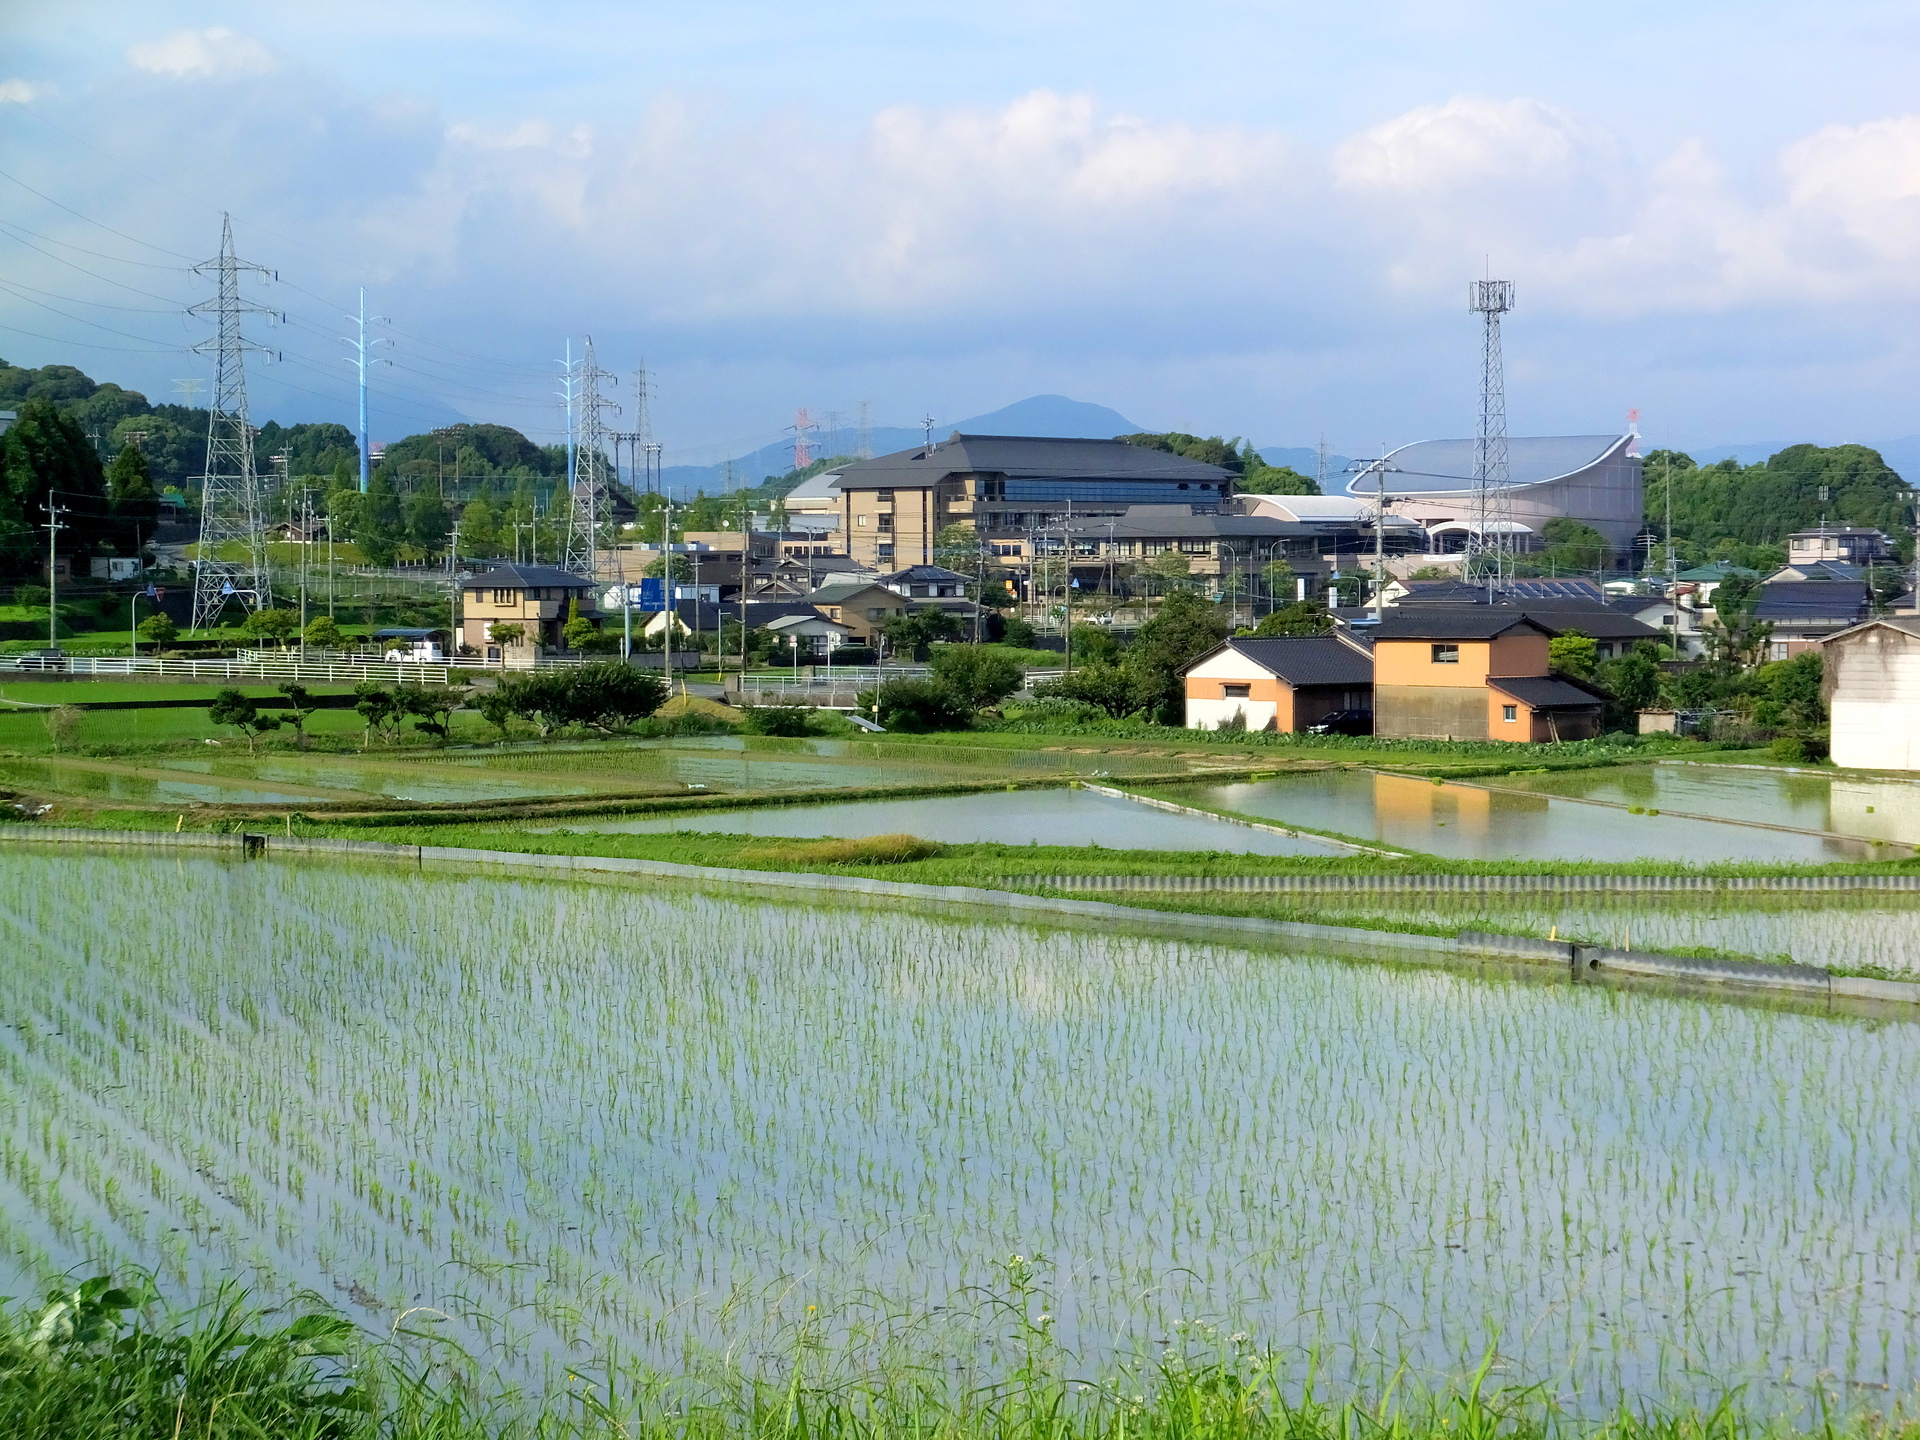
(215, 53)
(22, 92)
(1865, 181)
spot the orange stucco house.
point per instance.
(1473, 673)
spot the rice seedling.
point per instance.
(640, 1125)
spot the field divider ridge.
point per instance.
(1175, 808)
(1439, 883)
(1578, 961)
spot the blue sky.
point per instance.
(1249, 218)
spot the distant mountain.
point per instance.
(1036, 415)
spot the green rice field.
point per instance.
(566, 1122)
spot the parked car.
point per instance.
(1344, 722)
(42, 660)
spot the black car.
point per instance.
(1344, 722)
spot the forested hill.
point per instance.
(174, 437)
(1729, 504)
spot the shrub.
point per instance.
(976, 676)
(323, 634)
(63, 726)
(31, 595)
(788, 720)
(159, 628)
(916, 706)
(1788, 750)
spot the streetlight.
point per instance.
(793, 643)
(151, 596)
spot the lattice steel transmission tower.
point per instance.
(592, 494)
(864, 449)
(803, 427)
(641, 436)
(1490, 543)
(231, 508)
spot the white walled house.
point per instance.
(1872, 690)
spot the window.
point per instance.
(883, 494)
(503, 597)
(1509, 712)
(1446, 654)
(1236, 692)
(1196, 547)
(860, 520)
(886, 522)
(993, 489)
(885, 552)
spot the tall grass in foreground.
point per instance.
(101, 1361)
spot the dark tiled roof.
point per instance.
(1544, 692)
(1450, 622)
(1025, 456)
(924, 575)
(1307, 659)
(1427, 592)
(1812, 600)
(508, 576)
(1598, 620)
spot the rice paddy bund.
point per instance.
(582, 1119)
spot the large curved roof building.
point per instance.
(1594, 479)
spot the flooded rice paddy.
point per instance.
(1021, 817)
(575, 1117)
(1469, 822)
(1874, 809)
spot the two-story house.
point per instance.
(1443, 672)
(535, 598)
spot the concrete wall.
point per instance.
(1429, 712)
(1872, 688)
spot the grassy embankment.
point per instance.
(91, 1364)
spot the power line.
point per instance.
(160, 249)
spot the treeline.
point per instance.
(1744, 513)
(1250, 471)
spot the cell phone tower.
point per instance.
(1489, 556)
(592, 494)
(231, 512)
(864, 449)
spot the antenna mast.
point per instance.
(592, 496)
(230, 508)
(1490, 543)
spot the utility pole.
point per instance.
(230, 501)
(666, 551)
(1379, 469)
(453, 592)
(54, 512)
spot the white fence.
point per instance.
(309, 665)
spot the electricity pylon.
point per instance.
(231, 512)
(592, 496)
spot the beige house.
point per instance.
(1872, 688)
(862, 608)
(535, 598)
